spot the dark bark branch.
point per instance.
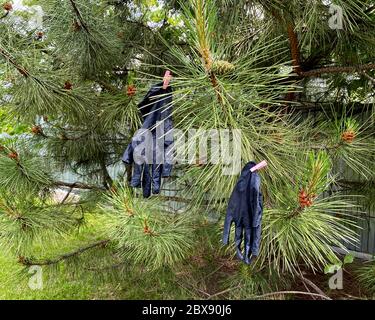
(356, 184)
(307, 106)
(312, 285)
(77, 185)
(107, 180)
(67, 195)
(366, 75)
(19, 68)
(327, 70)
(29, 262)
(294, 49)
(79, 16)
(4, 15)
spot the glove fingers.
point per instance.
(238, 240)
(156, 178)
(227, 225)
(146, 181)
(137, 176)
(247, 246)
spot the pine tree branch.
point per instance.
(294, 49)
(79, 16)
(4, 15)
(107, 180)
(29, 262)
(308, 106)
(204, 48)
(77, 185)
(24, 72)
(296, 60)
(311, 284)
(328, 70)
(355, 184)
(366, 75)
(293, 42)
(67, 196)
(19, 68)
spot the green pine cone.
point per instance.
(222, 67)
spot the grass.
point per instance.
(204, 275)
(63, 284)
(16, 287)
(195, 278)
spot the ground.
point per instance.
(206, 275)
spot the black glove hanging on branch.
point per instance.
(245, 210)
(150, 149)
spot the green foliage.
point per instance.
(349, 139)
(349, 258)
(24, 223)
(294, 233)
(316, 175)
(144, 233)
(232, 69)
(332, 268)
(21, 171)
(83, 32)
(366, 277)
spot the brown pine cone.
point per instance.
(36, 130)
(68, 85)
(131, 90)
(146, 228)
(304, 199)
(348, 136)
(13, 155)
(302, 195)
(76, 26)
(39, 35)
(7, 6)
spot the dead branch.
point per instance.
(29, 262)
(292, 292)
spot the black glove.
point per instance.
(245, 211)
